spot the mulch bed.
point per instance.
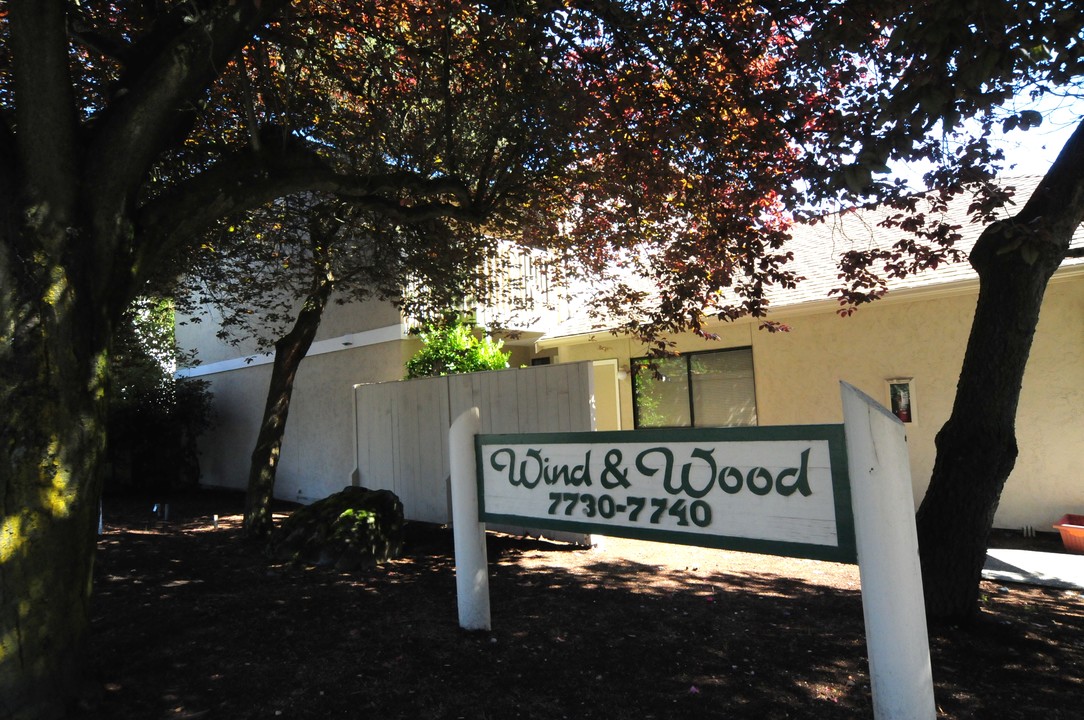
(191, 621)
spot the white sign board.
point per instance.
(780, 490)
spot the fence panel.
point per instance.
(402, 427)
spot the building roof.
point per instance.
(817, 249)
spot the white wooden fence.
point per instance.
(402, 427)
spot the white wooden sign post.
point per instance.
(468, 534)
(826, 492)
(884, 516)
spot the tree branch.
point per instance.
(142, 122)
(248, 180)
(99, 43)
(149, 116)
(1060, 195)
(1051, 215)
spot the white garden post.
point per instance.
(471, 567)
(884, 519)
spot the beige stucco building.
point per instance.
(915, 336)
(910, 343)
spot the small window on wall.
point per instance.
(706, 389)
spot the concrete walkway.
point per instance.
(1058, 570)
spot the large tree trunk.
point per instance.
(46, 557)
(976, 448)
(290, 350)
(55, 324)
(53, 382)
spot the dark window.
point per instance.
(705, 389)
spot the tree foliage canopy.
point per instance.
(669, 138)
(581, 127)
(935, 84)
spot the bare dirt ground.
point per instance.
(190, 621)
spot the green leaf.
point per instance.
(454, 349)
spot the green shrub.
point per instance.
(452, 349)
(154, 417)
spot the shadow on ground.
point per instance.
(191, 621)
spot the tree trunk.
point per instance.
(976, 448)
(290, 350)
(52, 391)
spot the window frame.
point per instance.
(635, 363)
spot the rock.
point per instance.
(352, 529)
